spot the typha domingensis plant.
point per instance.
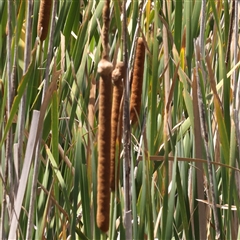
(44, 18)
(104, 129)
(118, 79)
(137, 80)
(105, 30)
(104, 143)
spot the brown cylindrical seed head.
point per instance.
(104, 143)
(136, 92)
(117, 77)
(44, 18)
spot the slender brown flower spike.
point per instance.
(104, 143)
(104, 129)
(44, 18)
(105, 30)
(117, 77)
(136, 93)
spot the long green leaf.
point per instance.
(60, 179)
(20, 91)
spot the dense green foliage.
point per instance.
(184, 147)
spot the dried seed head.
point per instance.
(138, 68)
(104, 132)
(44, 18)
(104, 67)
(117, 76)
(104, 143)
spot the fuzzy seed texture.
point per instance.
(136, 92)
(117, 77)
(104, 143)
(44, 18)
(105, 30)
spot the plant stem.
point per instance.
(202, 27)
(230, 32)
(27, 55)
(38, 147)
(205, 139)
(126, 134)
(235, 60)
(9, 136)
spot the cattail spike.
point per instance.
(104, 143)
(44, 18)
(136, 93)
(105, 30)
(117, 77)
(104, 130)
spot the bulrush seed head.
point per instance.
(136, 92)
(44, 18)
(117, 78)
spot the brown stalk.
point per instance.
(44, 18)
(138, 68)
(117, 76)
(127, 218)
